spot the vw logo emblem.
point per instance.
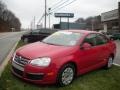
(20, 58)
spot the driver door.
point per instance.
(88, 57)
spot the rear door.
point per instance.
(94, 57)
(103, 45)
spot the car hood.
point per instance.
(39, 49)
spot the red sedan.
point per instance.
(62, 56)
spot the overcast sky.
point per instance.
(25, 10)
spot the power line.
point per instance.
(63, 6)
(41, 18)
(50, 12)
(56, 8)
(59, 5)
(54, 5)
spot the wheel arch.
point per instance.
(112, 55)
(72, 63)
(61, 67)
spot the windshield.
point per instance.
(64, 38)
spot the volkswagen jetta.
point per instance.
(62, 56)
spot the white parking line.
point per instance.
(116, 64)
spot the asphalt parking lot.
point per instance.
(117, 58)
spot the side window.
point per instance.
(91, 39)
(100, 39)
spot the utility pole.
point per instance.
(34, 22)
(68, 23)
(49, 16)
(45, 12)
(60, 22)
(31, 25)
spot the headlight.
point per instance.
(45, 61)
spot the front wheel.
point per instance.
(66, 75)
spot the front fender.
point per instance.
(59, 62)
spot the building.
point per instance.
(70, 25)
(91, 23)
(110, 21)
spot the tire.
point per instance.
(26, 40)
(66, 75)
(109, 63)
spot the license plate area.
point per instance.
(17, 66)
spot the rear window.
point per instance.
(35, 32)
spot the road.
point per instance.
(7, 41)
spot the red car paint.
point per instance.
(85, 60)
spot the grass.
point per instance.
(20, 43)
(97, 80)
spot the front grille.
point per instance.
(20, 73)
(35, 76)
(20, 60)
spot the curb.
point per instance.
(3, 65)
(116, 64)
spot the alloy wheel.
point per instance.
(67, 76)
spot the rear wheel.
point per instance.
(66, 75)
(109, 63)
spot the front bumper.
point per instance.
(37, 75)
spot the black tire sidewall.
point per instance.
(59, 78)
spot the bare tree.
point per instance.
(7, 19)
(2, 8)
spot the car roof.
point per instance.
(82, 31)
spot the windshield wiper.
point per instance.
(51, 43)
(47, 43)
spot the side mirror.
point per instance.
(86, 46)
